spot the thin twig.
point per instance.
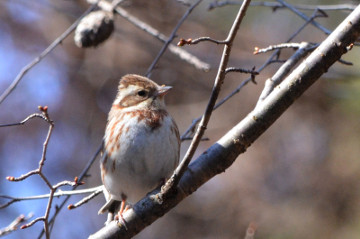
(190, 129)
(173, 181)
(181, 53)
(283, 71)
(274, 5)
(303, 16)
(33, 222)
(272, 59)
(23, 176)
(269, 61)
(35, 61)
(35, 115)
(293, 45)
(171, 37)
(313, 16)
(190, 41)
(59, 193)
(87, 198)
(241, 70)
(13, 226)
(4, 205)
(66, 183)
(317, 13)
(45, 116)
(82, 175)
(252, 72)
(347, 63)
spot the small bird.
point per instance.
(141, 143)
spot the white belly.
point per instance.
(143, 157)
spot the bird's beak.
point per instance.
(163, 90)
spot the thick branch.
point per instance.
(223, 153)
(284, 70)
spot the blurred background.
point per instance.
(301, 179)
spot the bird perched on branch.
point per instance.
(141, 142)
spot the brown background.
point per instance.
(299, 180)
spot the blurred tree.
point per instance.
(303, 176)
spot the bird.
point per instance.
(141, 145)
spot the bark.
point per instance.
(223, 153)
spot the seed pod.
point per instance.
(94, 28)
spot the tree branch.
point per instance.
(273, 81)
(13, 226)
(219, 79)
(303, 16)
(83, 174)
(270, 60)
(182, 54)
(171, 38)
(274, 5)
(223, 153)
(50, 48)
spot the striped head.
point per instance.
(136, 92)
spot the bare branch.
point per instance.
(190, 41)
(348, 63)
(172, 182)
(49, 49)
(13, 226)
(25, 120)
(83, 174)
(59, 193)
(67, 183)
(23, 176)
(270, 60)
(182, 54)
(275, 47)
(223, 153)
(315, 15)
(171, 37)
(8, 203)
(44, 115)
(246, 71)
(274, 5)
(303, 16)
(86, 199)
(252, 72)
(284, 70)
(32, 222)
(190, 129)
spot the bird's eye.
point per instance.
(142, 93)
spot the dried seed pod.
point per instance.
(94, 28)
